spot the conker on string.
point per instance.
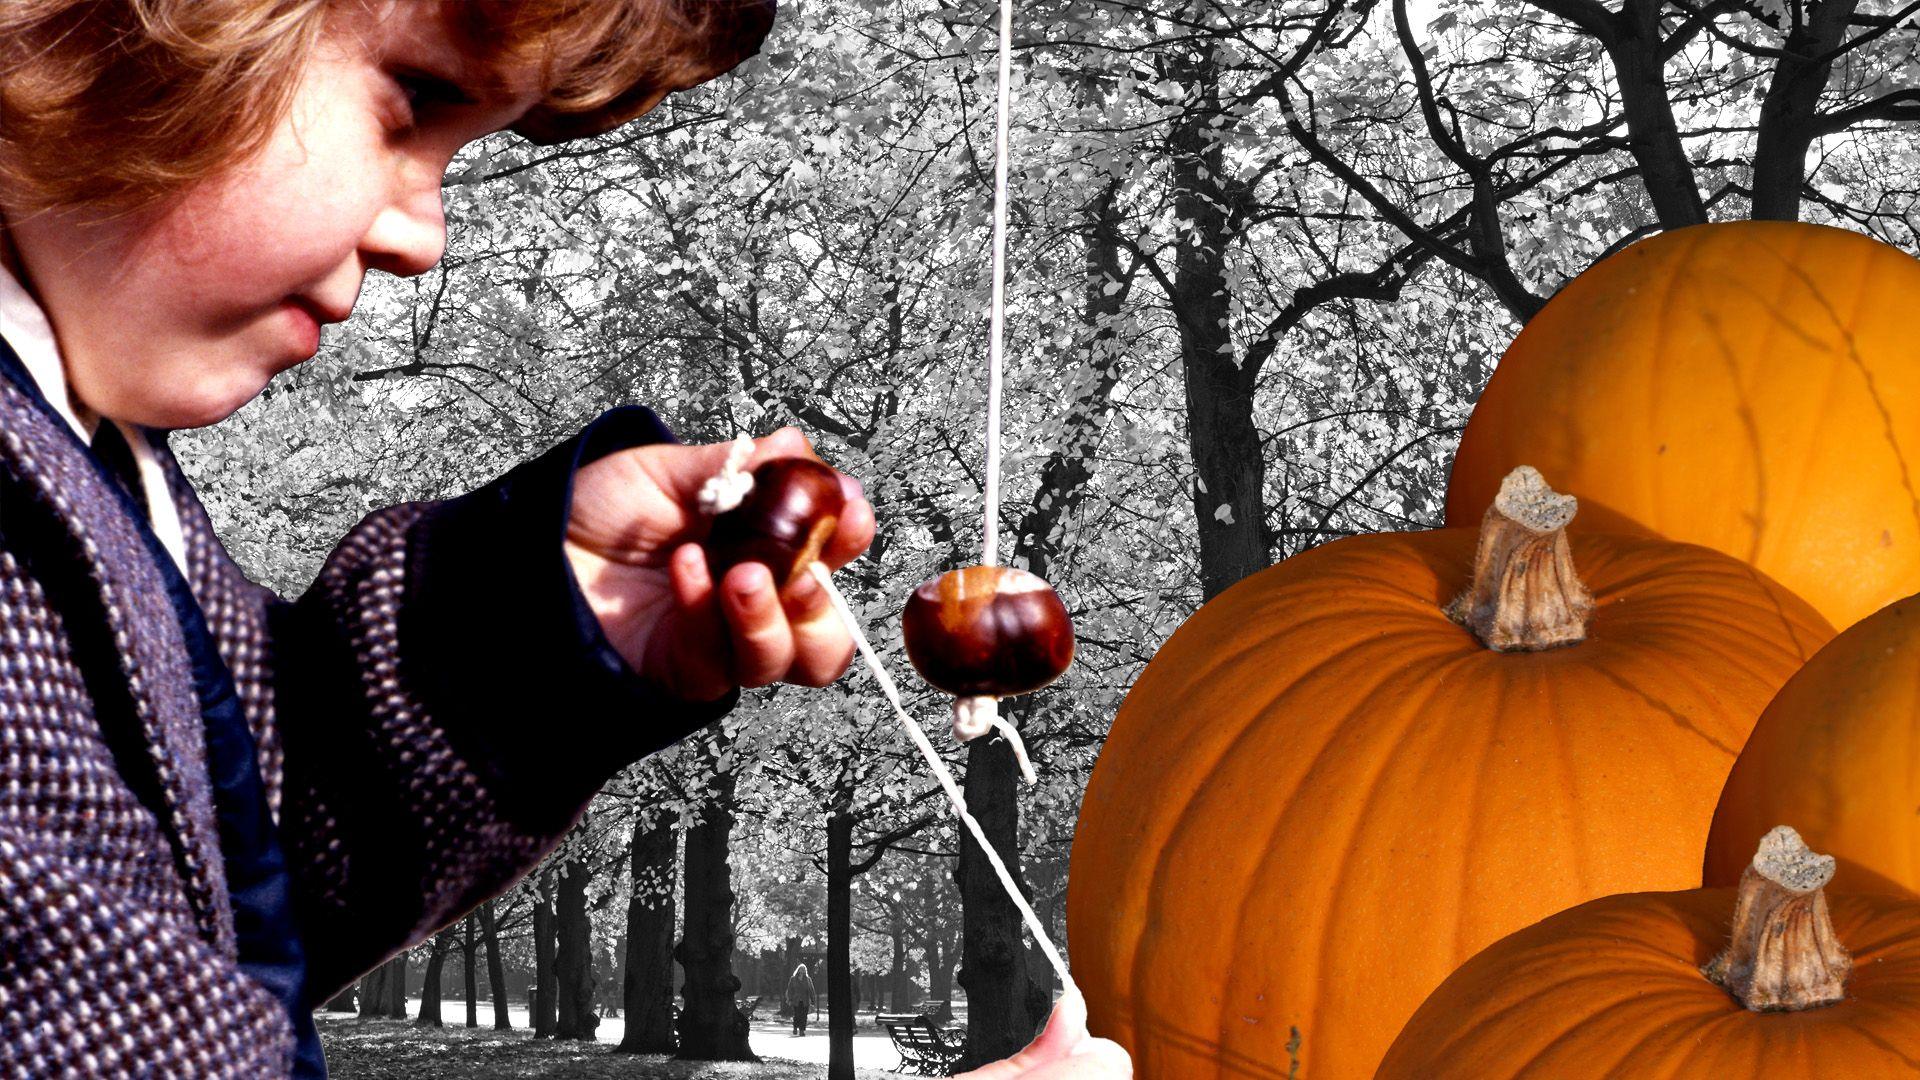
(988, 631)
(784, 522)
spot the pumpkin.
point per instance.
(1324, 793)
(1653, 987)
(1750, 386)
(1834, 753)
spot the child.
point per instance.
(217, 807)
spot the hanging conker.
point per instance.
(784, 522)
(988, 631)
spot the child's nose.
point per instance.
(408, 235)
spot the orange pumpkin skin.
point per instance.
(1322, 795)
(1613, 988)
(1750, 386)
(1834, 754)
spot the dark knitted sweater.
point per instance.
(428, 721)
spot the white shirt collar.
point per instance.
(25, 327)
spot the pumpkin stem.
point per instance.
(1525, 594)
(1784, 956)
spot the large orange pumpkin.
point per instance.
(1616, 988)
(1323, 793)
(1751, 386)
(1834, 754)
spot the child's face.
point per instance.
(178, 318)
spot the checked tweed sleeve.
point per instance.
(437, 710)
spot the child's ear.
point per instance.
(721, 35)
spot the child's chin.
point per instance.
(212, 405)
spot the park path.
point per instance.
(771, 1038)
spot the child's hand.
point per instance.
(633, 538)
(1063, 1051)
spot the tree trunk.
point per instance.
(1004, 1004)
(647, 991)
(940, 966)
(840, 1004)
(1789, 115)
(573, 959)
(496, 971)
(379, 998)
(1229, 494)
(930, 951)
(468, 946)
(430, 989)
(1065, 478)
(1634, 43)
(373, 992)
(342, 1001)
(898, 988)
(397, 987)
(712, 1028)
(545, 996)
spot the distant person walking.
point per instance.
(800, 998)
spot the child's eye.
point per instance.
(426, 93)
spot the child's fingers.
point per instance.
(762, 640)
(788, 441)
(692, 578)
(822, 648)
(852, 536)
(699, 635)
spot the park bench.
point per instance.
(925, 1047)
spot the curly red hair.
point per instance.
(116, 104)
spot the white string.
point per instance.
(975, 717)
(990, 548)
(728, 488)
(990, 545)
(939, 767)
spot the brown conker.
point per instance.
(987, 631)
(784, 522)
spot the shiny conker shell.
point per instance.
(784, 522)
(989, 631)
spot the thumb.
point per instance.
(1065, 1029)
(788, 441)
(689, 471)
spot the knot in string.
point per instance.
(728, 488)
(975, 716)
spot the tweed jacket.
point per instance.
(429, 719)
